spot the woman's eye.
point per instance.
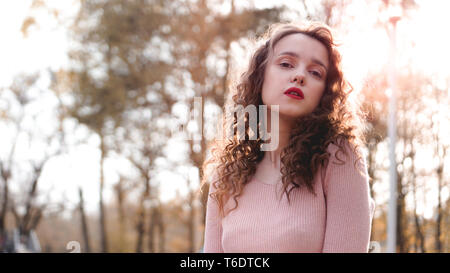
(317, 74)
(285, 65)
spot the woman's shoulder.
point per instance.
(344, 154)
(342, 150)
(345, 165)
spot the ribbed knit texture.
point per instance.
(337, 219)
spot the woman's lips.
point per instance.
(294, 97)
(290, 93)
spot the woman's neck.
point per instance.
(284, 130)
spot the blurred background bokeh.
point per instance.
(93, 93)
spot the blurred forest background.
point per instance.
(134, 68)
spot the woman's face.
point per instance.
(297, 61)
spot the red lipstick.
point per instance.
(294, 93)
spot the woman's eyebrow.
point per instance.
(293, 54)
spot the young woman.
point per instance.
(310, 193)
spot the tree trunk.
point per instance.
(162, 232)
(142, 216)
(438, 239)
(151, 231)
(401, 242)
(103, 235)
(25, 227)
(191, 220)
(419, 238)
(5, 173)
(198, 158)
(4, 208)
(84, 226)
(121, 213)
(140, 230)
(441, 157)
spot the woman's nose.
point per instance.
(299, 78)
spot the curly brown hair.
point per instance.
(335, 120)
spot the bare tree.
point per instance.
(441, 149)
(122, 37)
(24, 206)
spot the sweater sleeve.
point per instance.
(349, 205)
(213, 226)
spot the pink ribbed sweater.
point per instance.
(337, 219)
